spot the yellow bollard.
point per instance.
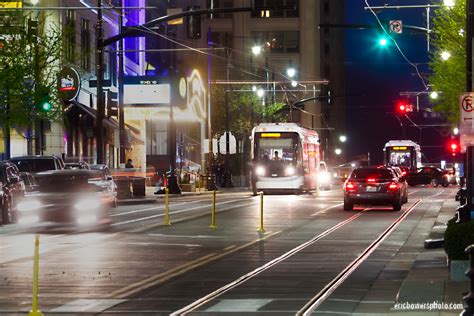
(213, 211)
(34, 309)
(167, 208)
(261, 229)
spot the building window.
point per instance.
(220, 4)
(70, 42)
(291, 12)
(278, 42)
(221, 39)
(85, 44)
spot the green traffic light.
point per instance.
(46, 106)
(383, 41)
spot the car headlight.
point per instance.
(87, 219)
(290, 171)
(260, 171)
(28, 206)
(89, 204)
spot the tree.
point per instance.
(449, 76)
(30, 60)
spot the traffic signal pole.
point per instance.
(469, 156)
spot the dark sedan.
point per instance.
(429, 175)
(373, 186)
(71, 197)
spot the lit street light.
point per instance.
(260, 93)
(294, 83)
(254, 88)
(445, 55)
(256, 50)
(291, 72)
(338, 151)
(448, 3)
(434, 95)
(343, 138)
(456, 131)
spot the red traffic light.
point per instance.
(404, 107)
(454, 147)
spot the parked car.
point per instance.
(12, 191)
(107, 180)
(35, 164)
(373, 186)
(68, 197)
(429, 175)
(403, 181)
(324, 177)
(77, 165)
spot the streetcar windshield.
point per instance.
(399, 158)
(276, 147)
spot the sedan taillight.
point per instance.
(349, 186)
(393, 186)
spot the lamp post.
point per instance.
(227, 181)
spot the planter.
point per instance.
(188, 187)
(457, 270)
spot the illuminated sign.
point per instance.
(271, 135)
(400, 148)
(147, 94)
(69, 84)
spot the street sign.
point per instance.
(69, 84)
(396, 26)
(105, 83)
(466, 128)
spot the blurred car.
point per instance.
(324, 177)
(12, 191)
(35, 164)
(107, 180)
(373, 186)
(429, 175)
(68, 197)
(405, 170)
(402, 180)
(77, 165)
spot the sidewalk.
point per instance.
(151, 197)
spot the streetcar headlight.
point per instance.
(290, 171)
(260, 171)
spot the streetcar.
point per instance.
(405, 154)
(285, 157)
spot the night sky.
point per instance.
(376, 75)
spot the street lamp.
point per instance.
(294, 83)
(445, 55)
(434, 95)
(455, 131)
(34, 2)
(291, 72)
(343, 138)
(338, 151)
(256, 50)
(260, 93)
(448, 3)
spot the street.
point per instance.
(313, 255)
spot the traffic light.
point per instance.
(454, 147)
(193, 24)
(44, 104)
(383, 41)
(403, 107)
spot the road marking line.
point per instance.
(87, 305)
(174, 212)
(188, 236)
(326, 209)
(178, 271)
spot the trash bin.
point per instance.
(139, 186)
(123, 188)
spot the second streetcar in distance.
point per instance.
(403, 154)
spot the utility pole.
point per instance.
(469, 156)
(99, 133)
(121, 116)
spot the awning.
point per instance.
(93, 113)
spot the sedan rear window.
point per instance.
(378, 173)
(35, 165)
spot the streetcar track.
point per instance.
(330, 287)
(213, 295)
